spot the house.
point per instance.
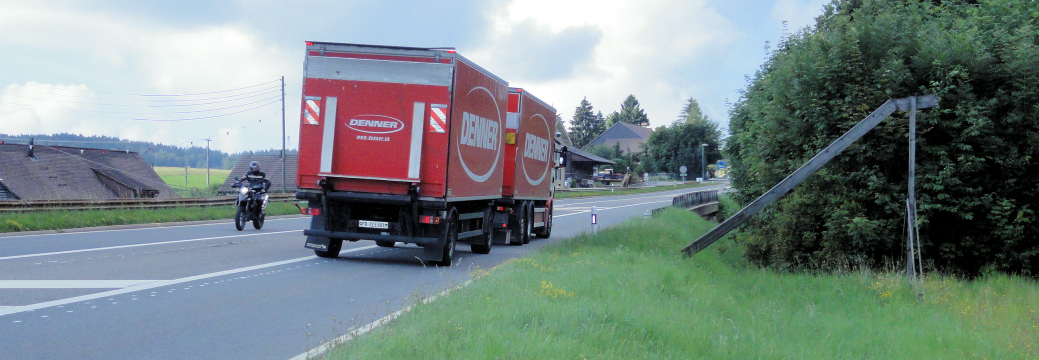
(269, 164)
(38, 172)
(581, 164)
(629, 136)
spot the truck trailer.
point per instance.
(409, 145)
(525, 209)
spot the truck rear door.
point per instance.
(370, 119)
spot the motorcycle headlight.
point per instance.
(243, 190)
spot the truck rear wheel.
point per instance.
(450, 239)
(334, 245)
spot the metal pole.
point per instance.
(703, 162)
(805, 170)
(915, 275)
(284, 186)
(207, 161)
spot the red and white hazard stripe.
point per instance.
(438, 118)
(312, 111)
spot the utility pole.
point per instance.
(207, 160)
(703, 161)
(284, 187)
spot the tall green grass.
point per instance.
(65, 219)
(626, 293)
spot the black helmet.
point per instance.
(254, 166)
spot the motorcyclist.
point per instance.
(254, 175)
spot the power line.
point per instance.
(211, 117)
(158, 95)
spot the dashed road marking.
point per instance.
(158, 284)
(139, 245)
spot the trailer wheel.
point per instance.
(384, 243)
(450, 239)
(239, 218)
(528, 227)
(334, 245)
(547, 230)
(484, 247)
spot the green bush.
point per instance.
(977, 173)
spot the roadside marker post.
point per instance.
(595, 222)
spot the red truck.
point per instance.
(410, 145)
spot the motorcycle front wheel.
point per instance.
(239, 218)
(258, 221)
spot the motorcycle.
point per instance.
(251, 204)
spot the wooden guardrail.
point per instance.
(44, 205)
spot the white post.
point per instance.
(595, 222)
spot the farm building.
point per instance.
(629, 136)
(269, 164)
(38, 172)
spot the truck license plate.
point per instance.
(374, 224)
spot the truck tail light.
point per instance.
(310, 211)
(503, 209)
(426, 219)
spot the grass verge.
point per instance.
(628, 294)
(64, 219)
(625, 191)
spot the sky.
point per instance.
(177, 72)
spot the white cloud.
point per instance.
(644, 49)
(136, 57)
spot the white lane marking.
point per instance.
(160, 283)
(138, 245)
(588, 210)
(70, 284)
(318, 351)
(3, 237)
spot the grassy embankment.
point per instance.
(62, 219)
(196, 180)
(626, 191)
(627, 294)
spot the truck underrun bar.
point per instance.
(346, 235)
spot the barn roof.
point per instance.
(269, 164)
(629, 136)
(73, 173)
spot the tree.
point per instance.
(669, 148)
(585, 125)
(691, 112)
(976, 153)
(631, 112)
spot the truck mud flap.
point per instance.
(346, 235)
(317, 243)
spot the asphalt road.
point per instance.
(207, 291)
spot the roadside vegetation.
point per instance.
(196, 180)
(67, 219)
(627, 293)
(625, 191)
(976, 152)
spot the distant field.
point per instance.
(174, 176)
